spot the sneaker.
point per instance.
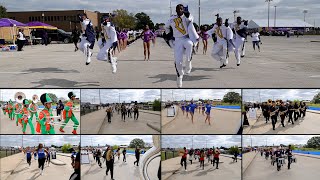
(185, 170)
(188, 67)
(179, 81)
(61, 130)
(114, 64)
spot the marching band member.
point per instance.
(26, 119)
(19, 96)
(185, 36)
(289, 154)
(41, 151)
(208, 110)
(68, 114)
(296, 111)
(5, 108)
(221, 49)
(87, 38)
(10, 110)
(290, 110)
(273, 114)
(110, 35)
(33, 108)
(282, 112)
(205, 36)
(44, 123)
(147, 36)
(192, 107)
(302, 109)
(239, 30)
(28, 152)
(265, 111)
(183, 107)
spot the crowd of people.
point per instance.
(124, 110)
(271, 110)
(110, 155)
(191, 107)
(278, 156)
(24, 112)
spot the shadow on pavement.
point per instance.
(173, 77)
(50, 70)
(63, 83)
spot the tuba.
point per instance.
(35, 100)
(19, 100)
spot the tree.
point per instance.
(3, 12)
(115, 146)
(232, 97)
(123, 19)
(316, 99)
(137, 142)
(65, 148)
(314, 142)
(53, 97)
(234, 149)
(142, 20)
(156, 105)
(292, 147)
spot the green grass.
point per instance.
(170, 155)
(314, 105)
(3, 153)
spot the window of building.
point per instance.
(45, 18)
(30, 19)
(58, 18)
(51, 18)
(64, 18)
(55, 18)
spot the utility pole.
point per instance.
(170, 9)
(275, 16)
(234, 14)
(268, 12)
(199, 14)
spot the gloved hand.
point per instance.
(186, 13)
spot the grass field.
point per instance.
(170, 155)
(9, 153)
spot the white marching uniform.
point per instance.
(105, 53)
(184, 40)
(220, 48)
(85, 44)
(238, 41)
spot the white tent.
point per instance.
(280, 23)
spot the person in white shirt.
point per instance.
(224, 45)
(255, 37)
(87, 38)
(110, 35)
(239, 28)
(182, 27)
(21, 40)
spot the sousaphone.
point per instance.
(19, 97)
(35, 99)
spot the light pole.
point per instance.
(268, 12)
(42, 17)
(275, 16)
(234, 14)
(170, 9)
(199, 14)
(305, 12)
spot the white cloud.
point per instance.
(260, 140)
(102, 140)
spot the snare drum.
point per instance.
(281, 161)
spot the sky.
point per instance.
(34, 140)
(274, 94)
(199, 141)
(261, 140)
(112, 95)
(102, 140)
(189, 94)
(159, 10)
(7, 94)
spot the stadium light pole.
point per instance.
(305, 12)
(275, 16)
(170, 9)
(199, 14)
(268, 12)
(234, 14)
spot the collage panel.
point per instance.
(201, 111)
(40, 111)
(120, 157)
(120, 111)
(201, 157)
(281, 111)
(42, 157)
(281, 157)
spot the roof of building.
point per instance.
(257, 23)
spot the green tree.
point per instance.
(65, 148)
(232, 97)
(316, 99)
(292, 147)
(234, 149)
(156, 105)
(53, 97)
(137, 142)
(3, 12)
(142, 20)
(115, 146)
(314, 142)
(123, 19)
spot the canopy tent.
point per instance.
(40, 25)
(8, 28)
(280, 23)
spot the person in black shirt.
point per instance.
(123, 112)
(60, 107)
(277, 154)
(124, 152)
(135, 111)
(273, 114)
(296, 111)
(75, 38)
(76, 166)
(137, 154)
(303, 109)
(290, 112)
(282, 112)
(289, 154)
(265, 111)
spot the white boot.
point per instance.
(179, 81)
(188, 67)
(89, 59)
(114, 64)
(41, 172)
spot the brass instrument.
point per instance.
(35, 100)
(274, 112)
(19, 100)
(282, 112)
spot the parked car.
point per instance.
(57, 35)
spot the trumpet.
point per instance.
(52, 121)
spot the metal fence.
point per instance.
(8, 152)
(169, 154)
(86, 110)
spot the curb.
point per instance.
(150, 113)
(58, 162)
(312, 111)
(250, 126)
(154, 127)
(245, 168)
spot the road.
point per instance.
(8, 126)
(282, 63)
(308, 125)
(222, 122)
(94, 123)
(52, 172)
(122, 170)
(172, 170)
(305, 168)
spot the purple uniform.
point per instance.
(205, 35)
(147, 36)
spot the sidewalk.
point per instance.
(165, 119)
(247, 159)
(8, 164)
